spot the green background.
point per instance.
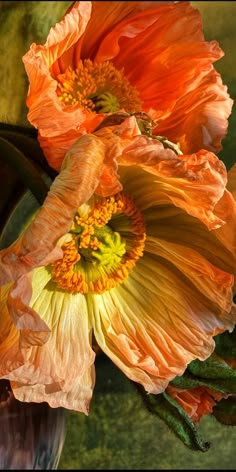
(119, 433)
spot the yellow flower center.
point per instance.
(98, 87)
(97, 257)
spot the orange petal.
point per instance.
(155, 323)
(212, 283)
(74, 186)
(197, 402)
(199, 118)
(202, 197)
(56, 147)
(11, 356)
(170, 66)
(21, 327)
(106, 18)
(194, 182)
(45, 110)
(165, 57)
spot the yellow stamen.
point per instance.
(98, 257)
(99, 87)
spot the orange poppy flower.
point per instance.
(196, 402)
(137, 263)
(104, 57)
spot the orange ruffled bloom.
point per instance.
(148, 272)
(199, 401)
(196, 402)
(132, 56)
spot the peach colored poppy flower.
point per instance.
(136, 264)
(196, 402)
(108, 56)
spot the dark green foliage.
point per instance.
(225, 411)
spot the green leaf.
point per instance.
(175, 417)
(213, 373)
(24, 169)
(226, 345)
(212, 368)
(220, 385)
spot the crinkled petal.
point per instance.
(56, 147)
(155, 323)
(74, 185)
(175, 77)
(11, 356)
(21, 326)
(45, 110)
(32, 328)
(106, 23)
(212, 283)
(63, 364)
(199, 118)
(194, 182)
(197, 402)
(77, 397)
(204, 198)
(13, 262)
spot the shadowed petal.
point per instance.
(197, 195)
(210, 281)
(108, 22)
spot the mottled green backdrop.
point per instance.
(119, 433)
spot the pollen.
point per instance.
(104, 246)
(98, 87)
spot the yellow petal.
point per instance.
(65, 363)
(60, 371)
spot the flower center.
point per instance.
(97, 256)
(98, 87)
